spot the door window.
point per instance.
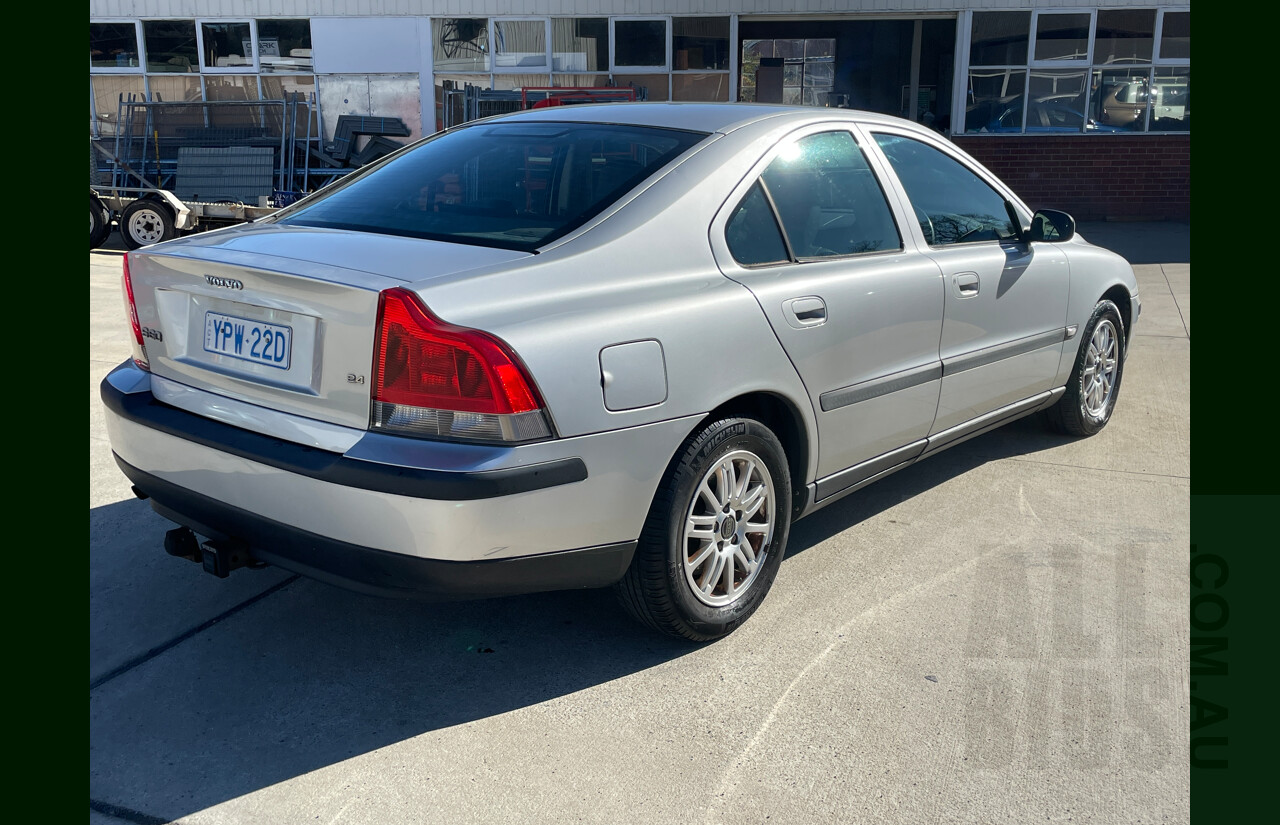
(953, 204)
(828, 199)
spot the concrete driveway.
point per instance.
(997, 635)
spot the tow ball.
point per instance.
(218, 557)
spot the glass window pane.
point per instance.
(1172, 101)
(1057, 101)
(700, 86)
(459, 44)
(700, 43)
(174, 89)
(1062, 37)
(640, 43)
(1124, 36)
(789, 49)
(580, 44)
(953, 203)
(993, 95)
(1000, 38)
(231, 87)
(1175, 37)
(284, 45)
(647, 86)
(1120, 99)
(226, 44)
(504, 185)
(828, 199)
(752, 233)
(171, 45)
(819, 47)
(113, 45)
(107, 90)
(519, 43)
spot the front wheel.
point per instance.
(145, 222)
(1086, 406)
(715, 535)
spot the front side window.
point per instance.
(953, 204)
(509, 185)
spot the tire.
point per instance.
(145, 222)
(1086, 406)
(99, 223)
(662, 588)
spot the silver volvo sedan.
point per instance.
(618, 345)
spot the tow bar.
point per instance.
(218, 557)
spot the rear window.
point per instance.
(510, 185)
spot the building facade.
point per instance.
(1084, 107)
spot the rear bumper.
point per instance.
(389, 514)
(378, 572)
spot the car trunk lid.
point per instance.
(282, 318)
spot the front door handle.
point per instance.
(809, 311)
(967, 284)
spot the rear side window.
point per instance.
(511, 185)
(752, 233)
(951, 202)
(828, 198)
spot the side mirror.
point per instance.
(1052, 226)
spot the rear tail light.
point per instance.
(139, 349)
(437, 380)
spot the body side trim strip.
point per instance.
(990, 355)
(876, 387)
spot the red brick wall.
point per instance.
(1094, 177)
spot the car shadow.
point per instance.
(311, 675)
(1021, 437)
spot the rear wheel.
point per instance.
(99, 223)
(1086, 406)
(715, 535)
(146, 222)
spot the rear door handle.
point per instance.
(809, 311)
(967, 284)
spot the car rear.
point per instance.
(293, 400)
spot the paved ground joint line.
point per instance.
(200, 628)
(1181, 318)
(1099, 469)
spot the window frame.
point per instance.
(245, 68)
(1033, 37)
(492, 56)
(1157, 58)
(620, 68)
(140, 42)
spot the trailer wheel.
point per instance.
(143, 223)
(99, 223)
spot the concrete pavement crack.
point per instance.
(177, 640)
(127, 814)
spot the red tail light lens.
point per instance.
(139, 348)
(436, 379)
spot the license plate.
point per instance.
(254, 341)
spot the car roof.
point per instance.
(701, 117)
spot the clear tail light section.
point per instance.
(139, 348)
(432, 379)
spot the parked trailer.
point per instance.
(146, 215)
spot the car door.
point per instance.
(1005, 299)
(812, 234)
